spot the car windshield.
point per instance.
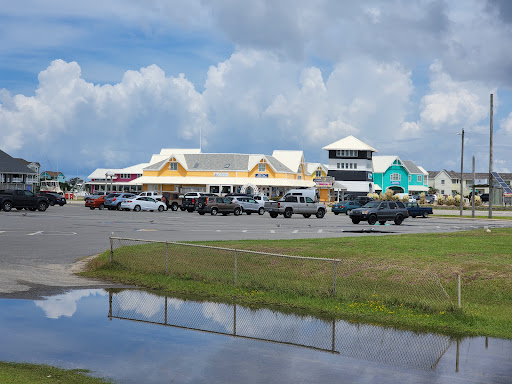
(372, 204)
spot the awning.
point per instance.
(418, 188)
(377, 187)
(338, 186)
(198, 180)
(357, 186)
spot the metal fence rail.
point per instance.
(253, 272)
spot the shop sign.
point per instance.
(261, 175)
(395, 183)
(221, 174)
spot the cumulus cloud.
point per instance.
(107, 125)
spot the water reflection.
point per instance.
(366, 342)
(137, 337)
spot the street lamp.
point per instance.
(461, 173)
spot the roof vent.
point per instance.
(227, 165)
(196, 165)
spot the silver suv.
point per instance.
(248, 204)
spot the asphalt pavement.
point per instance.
(40, 251)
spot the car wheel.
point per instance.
(356, 221)
(382, 222)
(399, 219)
(52, 203)
(174, 207)
(288, 213)
(261, 211)
(91, 208)
(7, 206)
(42, 207)
(372, 219)
(273, 214)
(320, 213)
(101, 206)
(214, 211)
(347, 212)
(336, 213)
(136, 208)
(237, 211)
(160, 208)
(425, 214)
(306, 215)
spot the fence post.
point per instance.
(458, 290)
(111, 249)
(166, 257)
(334, 279)
(236, 266)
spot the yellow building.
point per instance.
(185, 171)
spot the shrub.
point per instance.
(440, 200)
(478, 201)
(422, 198)
(457, 200)
(450, 200)
(374, 196)
(405, 199)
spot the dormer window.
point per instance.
(173, 166)
(262, 167)
(227, 165)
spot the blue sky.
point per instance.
(107, 84)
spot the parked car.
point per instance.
(172, 200)
(114, 200)
(22, 199)
(291, 204)
(261, 199)
(312, 193)
(484, 197)
(345, 207)
(415, 209)
(142, 203)
(430, 199)
(153, 194)
(190, 200)
(380, 211)
(215, 204)
(248, 204)
(99, 203)
(95, 195)
(53, 198)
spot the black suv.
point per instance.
(380, 211)
(53, 198)
(216, 205)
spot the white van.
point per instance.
(312, 193)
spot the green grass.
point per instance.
(380, 279)
(23, 373)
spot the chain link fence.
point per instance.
(254, 272)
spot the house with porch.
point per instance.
(389, 172)
(14, 174)
(53, 176)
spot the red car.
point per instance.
(96, 203)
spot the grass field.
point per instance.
(23, 373)
(388, 280)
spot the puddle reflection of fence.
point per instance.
(365, 342)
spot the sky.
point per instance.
(106, 84)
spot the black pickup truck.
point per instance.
(19, 199)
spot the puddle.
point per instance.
(133, 336)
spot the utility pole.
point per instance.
(461, 175)
(473, 192)
(490, 165)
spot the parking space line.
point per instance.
(2, 231)
(245, 230)
(272, 231)
(320, 231)
(295, 231)
(35, 233)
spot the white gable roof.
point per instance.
(292, 159)
(382, 163)
(312, 167)
(349, 142)
(99, 173)
(422, 170)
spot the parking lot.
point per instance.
(39, 249)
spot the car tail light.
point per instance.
(278, 205)
(114, 199)
(128, 201)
